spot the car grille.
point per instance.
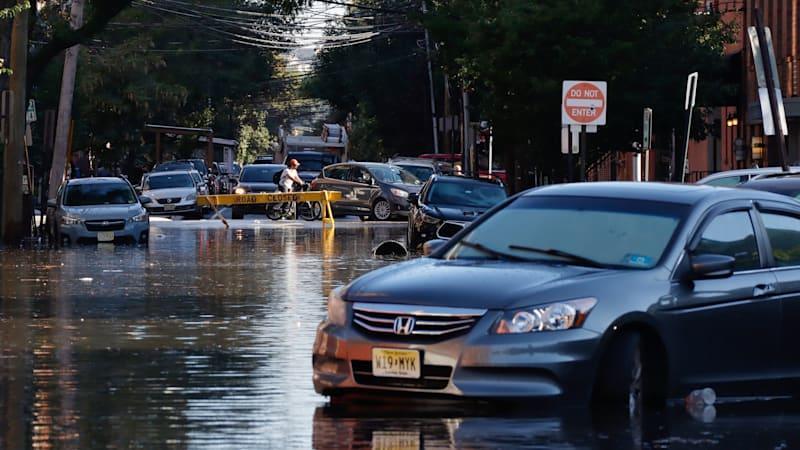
(449, 229)
(105, 225)
(167, 201)
(431, 377)
(379, 319)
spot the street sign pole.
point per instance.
(647, 136)
(691, 94)
(768, 57)
(583, 108)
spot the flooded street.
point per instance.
(203, 340)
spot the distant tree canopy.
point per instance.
(514, 54)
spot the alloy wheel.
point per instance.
(382, 210)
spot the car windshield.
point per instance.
(313, 163)
(168, 167)
(99, 194)
(254, 174)
(479, 195)
(421, 172)
(394, 174)
(177, 180)
(575, 230)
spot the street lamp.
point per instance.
(733, 121)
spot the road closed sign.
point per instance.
(583, 103)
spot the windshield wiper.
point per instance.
(489, 251)
(571, 257)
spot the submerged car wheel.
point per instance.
(632, 374)
(381, 210)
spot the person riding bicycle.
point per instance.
(289, 177)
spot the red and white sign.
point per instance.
(583, 103)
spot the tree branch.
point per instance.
(102, 13)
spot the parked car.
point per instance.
(483, 164)
(199, 165)
(617, 292)
(788, 185)
(446, 204)
(200, 182)
(731, 178)
(171, 166)
(422, 168)
(97, 210)
(311, 163)
(172, 194)
(369, 190)
(256, 178)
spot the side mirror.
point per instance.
(431, 246)
(138, 189)
(710, 266)
(143, 199)
(413, 199)
(52, 203)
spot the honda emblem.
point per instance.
(404, 325)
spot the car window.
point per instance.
(612, 232)
(394, 174)
(728, 181)
(784, 237)
(337, 172)
(99, 194)
(466, 194)
(731, 234)
(178, 180)
(255, 174)
(360, 175)
(421, 172)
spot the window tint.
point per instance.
(99, 194)
(728, 181)
(731, 234)
(359, 175)
(784, 236)
(337, 172)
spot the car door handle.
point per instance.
(763, 289)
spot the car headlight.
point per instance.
(191, 197)
(139, 217)
(399, 192)
(552, 317)
(337, 308)
(69, 220)
(240, 191)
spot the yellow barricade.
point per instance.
(324, 198)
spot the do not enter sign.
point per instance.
(583, 103)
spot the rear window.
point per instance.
(466, 194)
(259, 174)
(99, 194)
(313, 162)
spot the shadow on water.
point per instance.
(203, 340)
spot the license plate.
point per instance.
(391, 440)
(105, 236)
(395, 363)
(169, 207)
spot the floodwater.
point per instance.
(203, 340)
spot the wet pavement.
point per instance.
(203, 340)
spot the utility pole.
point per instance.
(64, 120)
(448, 125)
(465, 159)
(430, 81)
(12, 223)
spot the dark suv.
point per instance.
(445, 205)
(374, 190)
(311, 163)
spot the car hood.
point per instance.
(411, 188)
(455, 212)
(463, 283)
(169, 193)
(103, 212)
(257, 186)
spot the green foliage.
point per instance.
(366, 143)
(253, 135)
(514, 55)
(10, 12)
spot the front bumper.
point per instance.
(135, 231)
(475, 365)
(173, 209)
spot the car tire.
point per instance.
(381, 210)
(237, 213)
(632, 374)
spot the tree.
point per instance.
(366, 143)
(513, 56)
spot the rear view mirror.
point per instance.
(431, 246)
(709, 266)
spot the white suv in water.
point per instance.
(172, 194)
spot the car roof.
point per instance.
(740, 172)
(409, 161)
(464, 180)
(265, 166)
(170, 172)
(96, 180)
(688, 194)
(765, 183)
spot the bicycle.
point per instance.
(306, 210)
